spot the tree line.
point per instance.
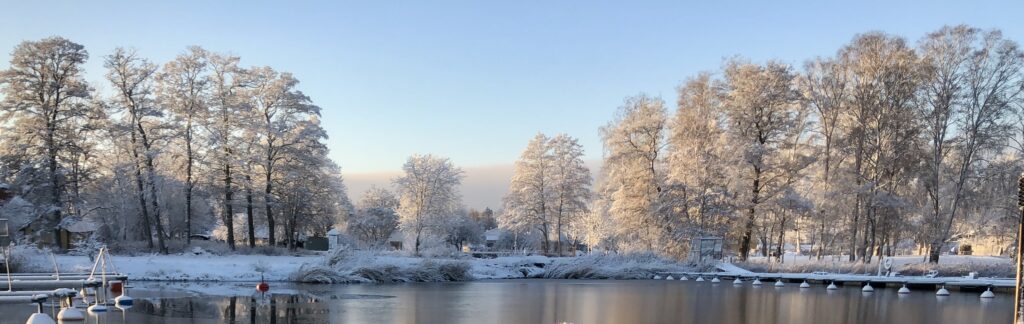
(197, 144)
(886, 146)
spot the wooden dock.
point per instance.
(914, 283)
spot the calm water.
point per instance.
(543, 301)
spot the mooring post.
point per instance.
(1020, 245)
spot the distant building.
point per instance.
(706, 248)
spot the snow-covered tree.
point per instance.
(133, 77)
(183, 89)
(45, 103)
(634, 175)
(428, 193)
(376, 217)
(973, 78)
(696, 143)
(760, 103)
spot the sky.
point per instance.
(475, 80)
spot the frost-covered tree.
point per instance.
(973, 78)
(550, 189)
(226, 107)
(278, 106)
(45, 100)
(132, 78)
(696, 143)
(527, 204)
(183, 89)
(570, 180)
(376, 217)
(760, 104)
(428, 193)
(634, 175)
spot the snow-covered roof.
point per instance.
(397, 236)
(78, 225)
(493, 234)
(334, 231)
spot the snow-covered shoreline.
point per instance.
(367, 267)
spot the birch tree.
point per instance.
(428, 192)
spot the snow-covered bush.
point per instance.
(26, 258)
(89, 247)
(612, 266)
(358, 267)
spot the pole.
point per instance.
(1020, 246)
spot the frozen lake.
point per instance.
(542, 301)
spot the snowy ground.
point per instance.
(365, 267)
(904, 260)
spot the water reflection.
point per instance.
(549, 301)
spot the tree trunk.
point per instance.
(229, 217)
(248, 212)
(749, 228)
(268, 201)
(143, 207)
(188, 181)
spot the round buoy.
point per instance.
(988, 294)
(656, 277)
(715, 280)
(867, 288)
(737, 281)
(805, 284)
(670, 278)
(683, 278)
(97, 308)
(757, 282)
(699, 278)
(779, 283)
(832, 286)
(942, 292)
(70, 314)
(124, 302)
(40, 318)
(903, 290)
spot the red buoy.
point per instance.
(262, 287)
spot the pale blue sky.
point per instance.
(475, 80)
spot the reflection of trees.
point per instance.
(285, 309)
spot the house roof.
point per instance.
(79, 225)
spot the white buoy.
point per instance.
(805, 284)
(942, 292)
(40, 318)
(779, 283)
(683, 278)
(97, 308)
(737, 281)
(124, 302)
(657, 277)
(903, 290)
(699, 278)
(832, 286)
(670, 278)
(715, 280)
(70, 314)
(988, 294)
(757, 282)
(868, 288)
